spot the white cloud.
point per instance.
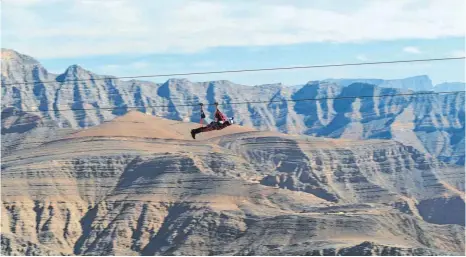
(458, 53)
(25, 3)
(139, 65)
(411, 50)
(362, 57)
(204, 64)
(119, 68)
(66, 28)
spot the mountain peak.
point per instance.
(177, 81)
(76, 69)
(419, 77)
(20, 67)
(315, 82)
(272, 85)
(417, 83)
(75, 72)
(10, 56)
(450, 86)
(221, 82)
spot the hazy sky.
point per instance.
(139, 37)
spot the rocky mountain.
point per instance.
(78, 98)
(450, 86)
(416, 83)
(138, 185)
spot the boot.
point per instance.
(193, 133)
(196, 131)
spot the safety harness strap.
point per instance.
(202, 113)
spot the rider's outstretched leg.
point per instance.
(209, 127)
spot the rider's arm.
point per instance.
(217, 115)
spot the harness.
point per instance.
(221, 119)
(220, 116)
(202, 113)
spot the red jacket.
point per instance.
(219, 116)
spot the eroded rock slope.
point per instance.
(122, 189)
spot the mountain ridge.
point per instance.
(434, 123)
(10, 54)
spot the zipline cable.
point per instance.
(237, 103)
(243, 70)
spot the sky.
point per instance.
(141, 37)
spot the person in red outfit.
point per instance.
(221, 121)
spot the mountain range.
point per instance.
(93, 165)
(434, 124)
(416, 83)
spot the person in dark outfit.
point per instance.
(221, 121)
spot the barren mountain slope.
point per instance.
(137, 185)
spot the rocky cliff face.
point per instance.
(416, 83)
(433, 124)
(122, 189)
(450, 86)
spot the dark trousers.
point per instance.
(212, 126)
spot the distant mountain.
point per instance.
(433, 124)
(450, 86)
(416, 83)
(347, 82)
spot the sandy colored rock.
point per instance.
(110, 190)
